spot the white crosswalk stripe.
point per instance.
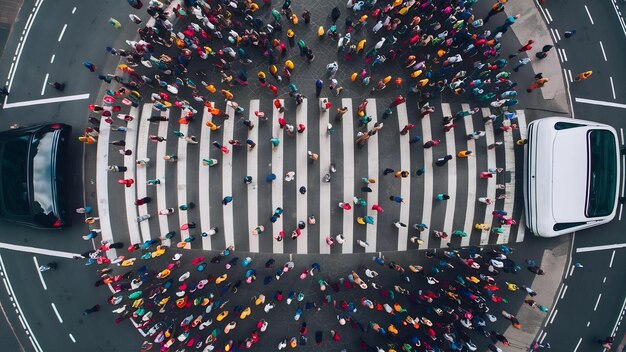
(310, 115)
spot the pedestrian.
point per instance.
(4, 91)
(443, 160)
(153, 182)
(93, 309)
(496, 8)
(538, 84)
(432, 143)
(227, 200)
(464, 153)
(442, 196)
(115, 23)
(128, 182)
(521, 62)
(406, 129)
(569, 33)
(528, 46)
(171, 158)
(583, 76)
(319, 84)
(90, 66)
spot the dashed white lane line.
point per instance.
(603, 53)
(612, 87)
(597, 302)
(43, 282)
(52, 58)
(564, 54)
(554, 315)
(578, 344)
(564, 290)
(54, 307)
(72, 338)
(45, 83)
(73, 11)
(550, 16)
(588, 14)
(611, 262)
(62, 32)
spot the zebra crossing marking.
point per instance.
(509, 158)
(302, 175)
(471, 181)
(252, 168)
(102, 185)
(203, 177)
(164, 225)
(227, 177)
(452, 170)
(325, 188)
(181, 181)
(372, 171)
(130, 192)
(405, 183)
(427, 208)
(277, 185)
(347, 128)
(141, 170)
(491, 182)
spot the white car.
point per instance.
(571, 176)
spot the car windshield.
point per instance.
(602, 173)
(43, 172)
(15, 163)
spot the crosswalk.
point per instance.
(189, 181)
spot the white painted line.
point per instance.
(588, 14)
(277, 184)
(20, 48)
(604, 280)
(542, 11)
(554, 306)
(45, 83)
(427, 207)
(46, 101)
(181, 180)
(619, 16)
(130, 193)
(603, 53)
(253, 171)
(556, 311)
(405, 183)
(73, 11)
(203, 179)
(621, 206)
(347, 128)
(543, 337)
(560, 55)
(42, 251)
(564, 54)
(470, 206)
(302, 161)
(571, 272)
(102, 185)
(452, 171)
(141, 170)
(556, 32)
(597, 302)
(509, 162)
(621, 134)
(553, 34)
(564, 290)
(325, 187)
(227, 178)
(612, 87)
(588, 323)
(612, 257)
(521, 124)
(52, 58)
(569, 95)
(43, 282)
(164, 226)
(548, 15)
(569, 73)
(54, 307)
(72, 338)
(578, 344)
(600, 248)
(372, 171)
(16, 304)
(491, 182)
(62, 32)
(619, 318)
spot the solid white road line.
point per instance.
(491, 182)
(43, 282)
(277, 184)
(181, 180)
(203, 179)
(140, 170)
(600, 248)
(325, 188)
(45, 84)
(347, 128)
(302, 161)
(42, 251)
(164, 225)
(20, 104)
(588, 14)
(130, 193)
(521, 123)
(619, 318)
(427, 207)
(372, 171)
(102, 185)
(54, 307)
(471, 181)
(452, 171)
(405, 183)
(62, 32)
(509, 162)
(252, 168)
(227, 177)
(603, 53)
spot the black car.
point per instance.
(32, 175)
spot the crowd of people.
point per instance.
(443, 48)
